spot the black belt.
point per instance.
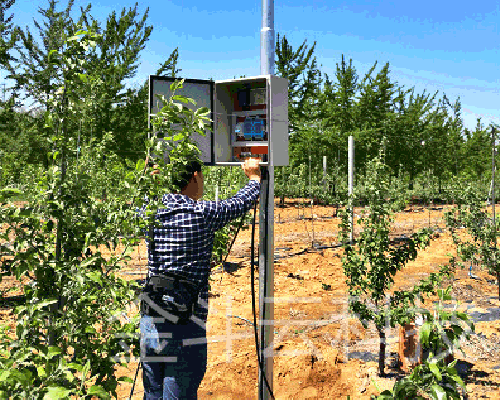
(170, 297)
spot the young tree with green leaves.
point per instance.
(73, 291)
(482, 250)
(371, 267)
(70, 332)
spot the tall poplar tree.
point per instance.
(304, 78)
(477, 148)
(8, 39)
(343, 110)
(455, 139)
(374, 116)
(8, 34)
(300, 68)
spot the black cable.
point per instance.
(252, 280)
(136, 373)
(253, 290)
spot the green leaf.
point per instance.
(176, 85)
(86, 368)
(425, 331)
(125, 379)
(457, 330)
(4, 375)
(82, 32)
(459, 380)
(53, 351)
(180, 98)
(90, 329)
(99, 391)
(435, 370)
(41, 372)
(462, 316)
(446, 297)
(94, 276)
(56, 392)
(202, 111)
(438, 392)
(77, 366)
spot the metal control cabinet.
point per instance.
(249, 117)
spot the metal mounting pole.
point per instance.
(266, 222)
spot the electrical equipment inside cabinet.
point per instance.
(251, 128)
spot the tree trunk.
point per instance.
(282, 201)
(412, 176)
(498, 282)
(381, 359)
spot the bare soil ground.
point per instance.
(320, 351)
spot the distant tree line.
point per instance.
(424, 134)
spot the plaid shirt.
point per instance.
(184, 242)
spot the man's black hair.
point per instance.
(182, 179)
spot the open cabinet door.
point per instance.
(202, 91)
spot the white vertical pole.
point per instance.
(350, 176)
(266, 223)
(310, 188)
(312, 201)
(324, 174)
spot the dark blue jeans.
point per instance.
(174, 358)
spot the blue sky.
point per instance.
(444, 46)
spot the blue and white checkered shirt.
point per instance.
(184, 242)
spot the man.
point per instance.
(174, 356)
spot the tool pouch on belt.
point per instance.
(170, 297)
